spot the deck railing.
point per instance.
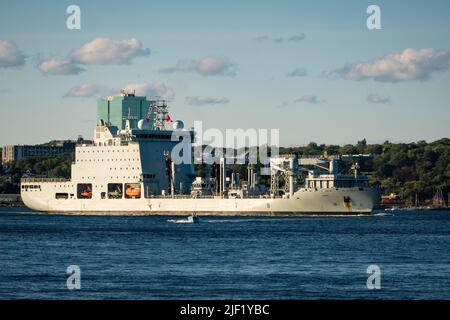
(43, 179)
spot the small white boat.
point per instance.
(392, 209)
(190, 219)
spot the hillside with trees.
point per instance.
(403, 168)
(55, 167)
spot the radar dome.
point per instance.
(178, 125)
(144, 124)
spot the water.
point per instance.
(224, 257)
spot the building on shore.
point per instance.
(392, 200)
(117, 110)
(10, 199)
(51, 149)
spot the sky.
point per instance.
(311, 69)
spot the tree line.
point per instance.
(55, 167)
(402, 168)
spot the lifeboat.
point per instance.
(86, 194)
(133, 192)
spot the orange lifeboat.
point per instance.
(87, 194)
(133, 192)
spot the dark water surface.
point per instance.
(224, 257)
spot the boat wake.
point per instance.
(178, 221)
(384, 214)
(229, 220)
(189, 219)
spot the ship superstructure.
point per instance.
(129, 170)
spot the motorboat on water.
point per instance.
(193, 218)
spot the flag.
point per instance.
(148, 116)
(168, 119)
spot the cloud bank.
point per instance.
(208, 66)
(149, 90)
(377, 99)
(59, 67)
(202, 101)
(100, 51)
(10, 55)
(291, 39)
(299, 72)
(409, 65)
(311, 99)
(85, 91)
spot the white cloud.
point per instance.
(297, 38)
(151, 90)
(299, 72)
(201, 101)
(294, 38)
(208, 66)
(409, 65)
(312, 99)
(59, 67)
(377, 99)
(107, 51)
(10, 55)
(100, 51)
(85, 91)
(278, 40)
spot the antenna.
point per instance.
(160, 114)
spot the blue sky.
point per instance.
(230, 64)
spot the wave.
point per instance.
(179, 221)
(384, 214)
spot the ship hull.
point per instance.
(304, 201)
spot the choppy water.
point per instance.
(224, 258)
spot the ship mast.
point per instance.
(160, 114)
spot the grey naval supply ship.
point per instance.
(128, 170)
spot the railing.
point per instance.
(43, 179)
(178, 196)
(267, 196)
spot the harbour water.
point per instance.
(150, 257)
